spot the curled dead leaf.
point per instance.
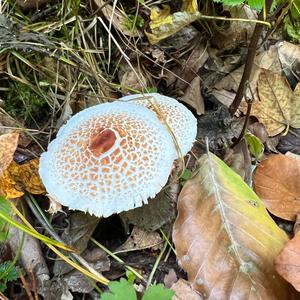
(224, 237)
(276, 182)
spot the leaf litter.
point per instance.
(224, 238)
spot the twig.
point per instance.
(247, 69)
(249, 103)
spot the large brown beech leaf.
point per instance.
(277, 183)
(224, 237)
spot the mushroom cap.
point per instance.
(107, 159)
(181, 121)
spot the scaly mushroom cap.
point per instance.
(181, 121)
(108, 158)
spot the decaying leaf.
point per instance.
(163, 24)
(224, 237)
(287, 263)
(184, 290)
(268, 60)
(193, 97)
(141, 239)
(8, 146)
(276, 182)
(117, 17)
(18, 178)
(279, 106)
(290, 142)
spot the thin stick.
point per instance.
(247, 69)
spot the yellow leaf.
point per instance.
(163, 24)
(8, 146)
(18, 178)
(28, 175)
(189, 6)
(279, 106)
(9, 188)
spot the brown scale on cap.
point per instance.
(111, 158)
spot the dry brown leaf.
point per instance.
(8, 146)
(279, 106)
(141, 239)
(225, 239)
(18, 178)
(184, 291)
(287, 263)
(193, 96)
(277, 183)
(267, 60)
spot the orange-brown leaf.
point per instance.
(287, 262)
(224, 237)
(8, 146)
(277, 183)
(18, 178)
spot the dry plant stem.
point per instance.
(47, 226)
(249, 103)
(115, 257)
(3, 297)
(247, 69)
(26, 286)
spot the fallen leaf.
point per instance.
(289, 55)
(8, 185)
(141, 239)
(117, 17)
(193, 96)
(18, 178)
(184, 290)
(163, 24)
(266, 60)
(153, 215)
(225, 239)
(8, 146)
(287, 263)
(170, 278)
(239, 160)
(290, 142)
(279, 106)
(276, 182)
(237, 33)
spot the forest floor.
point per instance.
(233, 233)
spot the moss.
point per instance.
(23, 103)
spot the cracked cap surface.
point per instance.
(108, 158)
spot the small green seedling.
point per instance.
(124, 290)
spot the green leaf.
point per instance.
(150, 90)
(8, 272)
(130, 277)
(256, 4)
(187, 174)
(6, 208)
(255, 145)
(158, 291)
(120, 290)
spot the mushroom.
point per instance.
(182, 122)
(109, 158)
